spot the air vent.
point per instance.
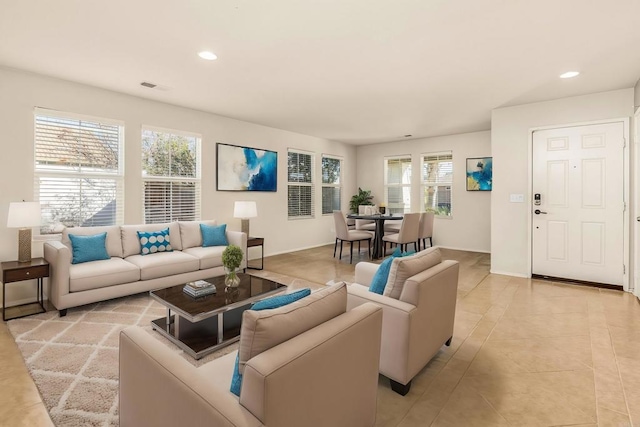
(147, 84)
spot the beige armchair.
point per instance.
(418, 311)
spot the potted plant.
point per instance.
(231, 260)
(363, 197)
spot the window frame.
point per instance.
(407, 187)
(339, 185)
(424, 182)
(311, 184)
(197, 180)
(53, 172)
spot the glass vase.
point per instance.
(231, 278)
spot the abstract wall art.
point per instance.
(479, 174)
(246, 169)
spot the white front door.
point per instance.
(578, 225)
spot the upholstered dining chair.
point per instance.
(426, 229)
(364, 224)
(344, 234)
(408, 232)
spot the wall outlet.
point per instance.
(516, 198)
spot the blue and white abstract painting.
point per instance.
(480, 174)
(246, 169)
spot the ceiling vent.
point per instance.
(147, 84)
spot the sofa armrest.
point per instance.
(239, 239)
(159, 388)
(59, 258)
(427, 284)
(326, 376)
(365, 272)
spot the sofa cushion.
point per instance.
(209, 257)
(190, 232)
(113, 242)
(265, 304)
(164, 264)
(131, 242)
(88, 248)
(264, 329)
(405, 267)
(214, 235)
(100, 274)
(154, 241)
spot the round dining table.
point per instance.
(378, 243)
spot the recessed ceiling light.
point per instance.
(209, 56)
(569, 74)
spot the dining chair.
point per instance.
(408, 232)
(426, 229)
(344, 234)
(364, 224)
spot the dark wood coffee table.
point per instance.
(203, 325)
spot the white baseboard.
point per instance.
(463, 249)
(31, 300)
(510, 273)
(297, 249)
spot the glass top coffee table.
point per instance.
(203, 325)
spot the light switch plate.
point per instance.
(516, 198)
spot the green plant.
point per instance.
(232, 257)
(363, 197)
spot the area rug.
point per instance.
(73, 360)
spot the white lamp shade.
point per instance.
(24, 215)
(245, 210)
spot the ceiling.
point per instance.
(357, 71)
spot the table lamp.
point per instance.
(244, 211)
(24, 216)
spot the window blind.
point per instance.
(397, 184)
(171, 176)
(78, 170)
(331, 184)
(300, 185)
(437, 182)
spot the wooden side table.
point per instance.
(252, 242)
(14, 271)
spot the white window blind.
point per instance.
(170, 175)
(437, 182)
(300, 184)
(331, 184)
(397, 184)
(78, 170)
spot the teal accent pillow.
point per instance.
(214, 235)
(89, 248)
(379, 280)
(265, 304)
(152, 242)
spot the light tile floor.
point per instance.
(524, 352)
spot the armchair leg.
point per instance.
(401, 389)
(63, 312)
(448, 343)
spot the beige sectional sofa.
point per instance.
(127, 272)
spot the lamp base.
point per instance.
(245, 226)
(24, 245)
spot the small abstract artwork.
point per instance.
(480, 174)
(246, 169)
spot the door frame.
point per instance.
(626, 192)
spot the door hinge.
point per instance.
(624, 142)
(624, 206)
(624, 269)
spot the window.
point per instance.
(397, 184)
(331, 184)
(170, 175)
(300, 184)
(78, 170)
(437, 181)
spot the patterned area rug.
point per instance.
(74, 359)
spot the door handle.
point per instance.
(538, 212)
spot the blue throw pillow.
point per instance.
(214, 235)
(265, 304)
(154, 241)
(379, 280)
(89, 248)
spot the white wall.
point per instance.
(21, 92)
(469, 227)
(510, 128)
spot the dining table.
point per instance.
(379, 219)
